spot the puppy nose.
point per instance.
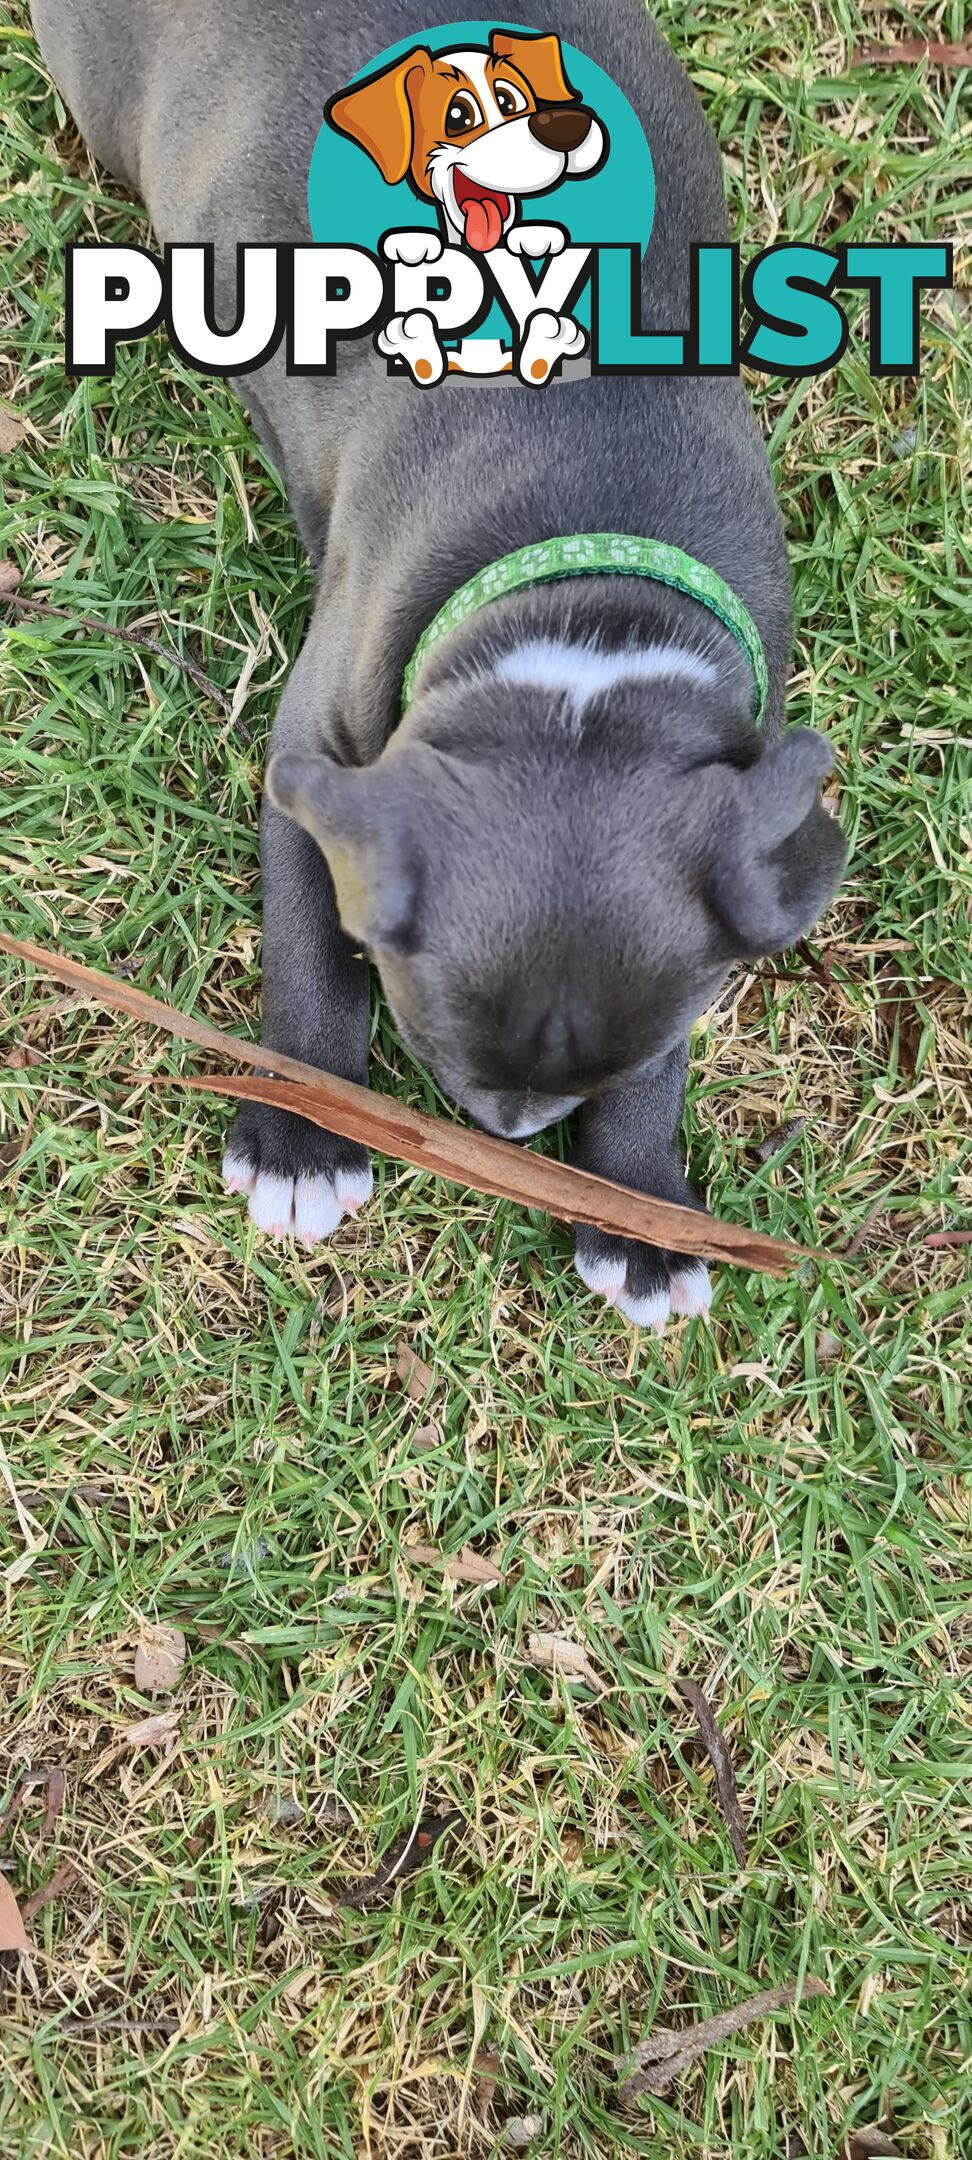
(560, 127)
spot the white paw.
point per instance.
(549, 338)
(413, 338)
(689, 1292)
(536, 240)
(411, 247)
(308, 1208)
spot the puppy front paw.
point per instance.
(645, 1283)
(299, 1182)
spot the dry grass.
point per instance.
(202, 1431)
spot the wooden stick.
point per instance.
(495, 1167)
(910, 52)
(29, 604)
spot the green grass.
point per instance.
(205, 1430)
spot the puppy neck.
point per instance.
(592, 657)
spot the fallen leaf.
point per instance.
(56, 1789)
(718, 1753)
(159, 1659)
(10, 1154)
(896, 1010)
(775, 1142)
(287, 1812)
(23, 1056)
(158, 1731)
(426, 1437)
(416, 1377)
(487, 2068)
(521, 2130)
(556, 1653)
(270, 1923)
(408, 1852)
(54, 1781)
(17, 1798)
(12, 1932)
(12, 430)
(61, 1879)
(861, 2143)
(9, 577)
(658, 2060)
(466, 1566)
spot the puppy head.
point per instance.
(472, 130)
(547, 926)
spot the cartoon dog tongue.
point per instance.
(482, 212)
(483, 223)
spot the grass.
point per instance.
(204, 1431)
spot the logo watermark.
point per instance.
(481, 202)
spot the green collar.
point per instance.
(584, 555)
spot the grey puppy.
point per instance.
(557, 855)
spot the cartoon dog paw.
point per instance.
(536, 240)
(411, 247)
(549, 338)
(414, 339)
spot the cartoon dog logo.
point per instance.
(475, 131)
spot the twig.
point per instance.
(660, 2059)
(718, 1753)
(29, 605)
(910, 52)
(853, 1247)
(61, 1879)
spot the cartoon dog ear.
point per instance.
(539, 60)
(378, 114)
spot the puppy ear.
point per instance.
(353, 818)
(779, 856)
(539, 60)
(379, 115)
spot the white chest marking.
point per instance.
(582, 672)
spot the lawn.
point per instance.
(203, 1431)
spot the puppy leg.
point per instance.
(300, 1181)
(633, 1135)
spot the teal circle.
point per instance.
(350, 203)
